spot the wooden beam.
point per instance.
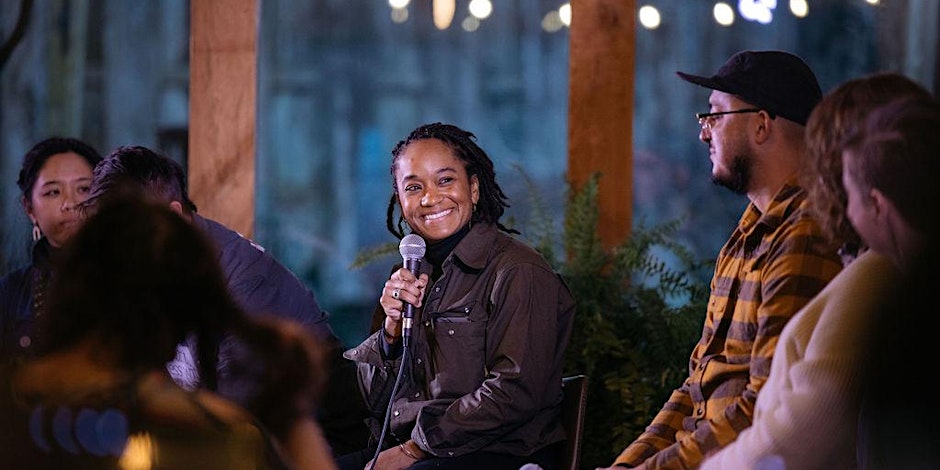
(222, 110)
(600, 108)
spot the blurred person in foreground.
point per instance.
(55, 176)
(775, 261)
(806, 415)
(481, 382)
(132, 284)
(892, 170)
(260, 285)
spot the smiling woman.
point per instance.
(492, 323)
(54, 177)
(437, 197)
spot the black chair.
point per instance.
(573, 405)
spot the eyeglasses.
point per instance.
(707, 120)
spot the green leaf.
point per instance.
(369, 255)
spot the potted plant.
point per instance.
(640, 308)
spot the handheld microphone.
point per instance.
(412, 248)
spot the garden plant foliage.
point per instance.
(640, 309)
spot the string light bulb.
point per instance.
(649, 17)
(723, 13)
(480, 9)
(564, 12)
(443, 12)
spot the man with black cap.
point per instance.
(776, 260)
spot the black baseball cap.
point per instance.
(777, 81)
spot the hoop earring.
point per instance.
(37, 234)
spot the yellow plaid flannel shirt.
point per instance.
(772, 265)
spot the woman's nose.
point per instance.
(69, 201)
(430, 198)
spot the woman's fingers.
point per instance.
(403, 287)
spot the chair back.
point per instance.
(573, 405)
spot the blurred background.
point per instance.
(341, 81)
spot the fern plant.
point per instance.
(637, 320)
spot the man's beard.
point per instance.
(739, 177)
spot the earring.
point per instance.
(37, 234)
(402, 224)
(474, 208)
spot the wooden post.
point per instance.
(600, 108)
(222, 110)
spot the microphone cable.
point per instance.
(412, 248)
(391, 400)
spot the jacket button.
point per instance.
(397, 412)
(450, 332)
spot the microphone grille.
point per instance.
(412, 247)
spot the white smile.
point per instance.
(437, 215)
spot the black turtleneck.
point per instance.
(438, 251)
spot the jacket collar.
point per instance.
(476, 248)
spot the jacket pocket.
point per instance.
(459, 350)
